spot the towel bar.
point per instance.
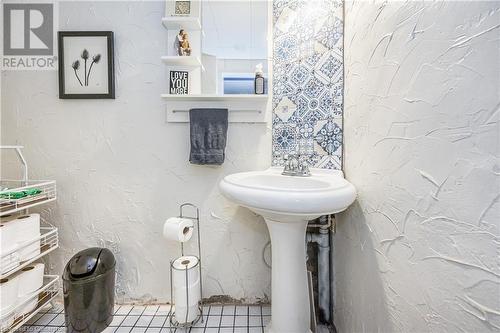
(236, 114)
(258, 111)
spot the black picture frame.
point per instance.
(179, 83)
(110, 62)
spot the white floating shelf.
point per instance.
(182, 61)
(181, 22)
(213, 97)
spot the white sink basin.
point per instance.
(279, 197)
(287, 203)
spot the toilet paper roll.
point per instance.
(28, 225)
(9, 262)
(21, 231)
(28, 229)
(178, 229)
(9, 234)
(30, 304)
(186, 303)
(9, 238)
(30, 281)
(8, 294)
(30, 250)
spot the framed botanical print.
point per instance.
(182, 8)
(86, 64)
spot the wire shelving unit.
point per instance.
(16, 197)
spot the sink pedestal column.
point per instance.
(290, 297)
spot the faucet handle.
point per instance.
(286, 163)
(295, 165)
(290, 166)
(290, 159)
(303, 167)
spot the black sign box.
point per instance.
(179, 82)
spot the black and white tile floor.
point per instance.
(154, 318)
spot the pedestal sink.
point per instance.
(287, 203)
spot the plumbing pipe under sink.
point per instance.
(322, 239)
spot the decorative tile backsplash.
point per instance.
(308, 81)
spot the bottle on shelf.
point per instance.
(259, 80)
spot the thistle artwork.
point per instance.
(86, 64)
(86, 75)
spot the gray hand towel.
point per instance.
(208, 136)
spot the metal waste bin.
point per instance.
(89, 290)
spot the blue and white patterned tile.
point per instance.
(312, 11)
(308, 48)
(280, 5)
(275, 120)
(328, 135)
(306, 130)
(312, 160)
(312, 59)
(286, 48)
(298, 75)
(331, 32)
(277, 159)
(286, 19)
(326, 101)
(303, 112)
(283, 87)
(329, 162)
(314, 88)
(338, 99)
(330, 67)
(308, 80)
(285, 138)
(285, 109)
(303, 30)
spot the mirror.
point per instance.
(234, 42)
(216, 47)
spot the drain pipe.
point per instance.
(322, 239)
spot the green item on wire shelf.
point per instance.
(20, 194)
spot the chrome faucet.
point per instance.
(295, 166)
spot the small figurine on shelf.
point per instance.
(178, 41)
(184, 47)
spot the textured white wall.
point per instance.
(419, 250)
(122, 170)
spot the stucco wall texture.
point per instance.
(122, 170)
(419, 250)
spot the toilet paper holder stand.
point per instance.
(174, 323)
